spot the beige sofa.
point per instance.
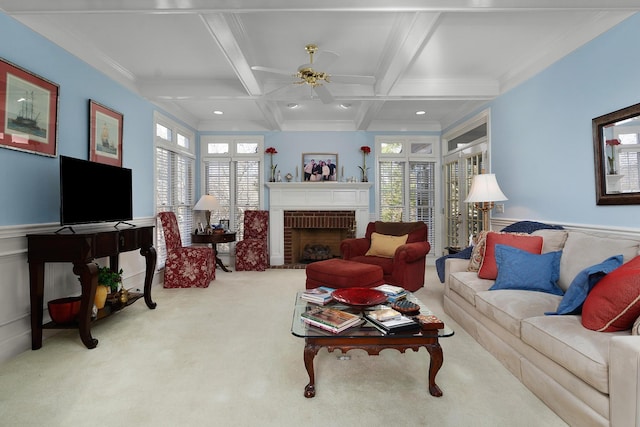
(588, 378)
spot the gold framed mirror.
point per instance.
(616, 146)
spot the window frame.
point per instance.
(407, 158)
(186, 153)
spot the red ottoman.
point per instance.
(340, 273)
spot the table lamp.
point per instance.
(484, 192)
(207, 203)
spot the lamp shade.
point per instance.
(207, 203)
(485, 188)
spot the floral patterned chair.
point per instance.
(252, 253)
(185, 267)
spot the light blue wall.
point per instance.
(29, 183)
(541, 139)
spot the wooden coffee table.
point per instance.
(368, 338)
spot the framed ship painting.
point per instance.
(28, 111)
(105, 135)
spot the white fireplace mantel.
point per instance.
(332, 196)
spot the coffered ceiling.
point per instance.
(445, 57)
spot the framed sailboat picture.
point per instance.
(28, 111)
(105, 134)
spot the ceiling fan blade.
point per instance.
(271, 70)
(363, 80)
(324, 59)
(324, 94)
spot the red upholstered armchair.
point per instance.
(185, 267)
(404, 266)
(252, 252)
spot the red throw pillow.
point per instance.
(489, 269)
(614, 302)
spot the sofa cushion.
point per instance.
(477, 253)
(583, 249)
(583, 283)
(467, 284)
(614, 303)
(518, 269)
(564, 340)
(488, 269)
(508, 307)
(552, 240)
(385, 246)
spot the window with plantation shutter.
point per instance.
(175, 183)
(233, 174)
(465, 152)
(406, 181)
(629, 168)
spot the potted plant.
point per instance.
(108, 281)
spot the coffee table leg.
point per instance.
(435, 351)
(310, 352)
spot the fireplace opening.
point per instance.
(311, 236)
(316, 244)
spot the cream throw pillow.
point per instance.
(385, 246)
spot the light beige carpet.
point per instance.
(224, 356)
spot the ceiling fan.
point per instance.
(308, 74)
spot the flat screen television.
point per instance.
(94, 192)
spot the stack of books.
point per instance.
(330, 319)
(320, 296)
(388, 322)
(393, 293)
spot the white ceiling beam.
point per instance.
(367, 114)
(410, 35)
(228, 33)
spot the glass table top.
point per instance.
(303, 330)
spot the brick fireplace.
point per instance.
(326, 228)
(336, 210)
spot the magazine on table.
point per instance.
(394, 325)
(331, 319)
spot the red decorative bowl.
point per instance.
(359, 297)
(64, 310)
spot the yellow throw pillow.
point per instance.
(385, 246)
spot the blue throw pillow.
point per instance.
(518, 269)
(583, 283)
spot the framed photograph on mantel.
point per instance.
(105, 135)
(28, 111)
(318, 167)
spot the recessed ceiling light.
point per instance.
(218, 112)
(345, 106)
(292, 105)
(420, 113)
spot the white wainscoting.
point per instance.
(332, 196)
(15, 305)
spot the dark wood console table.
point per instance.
(214, 239)
(81, 249)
